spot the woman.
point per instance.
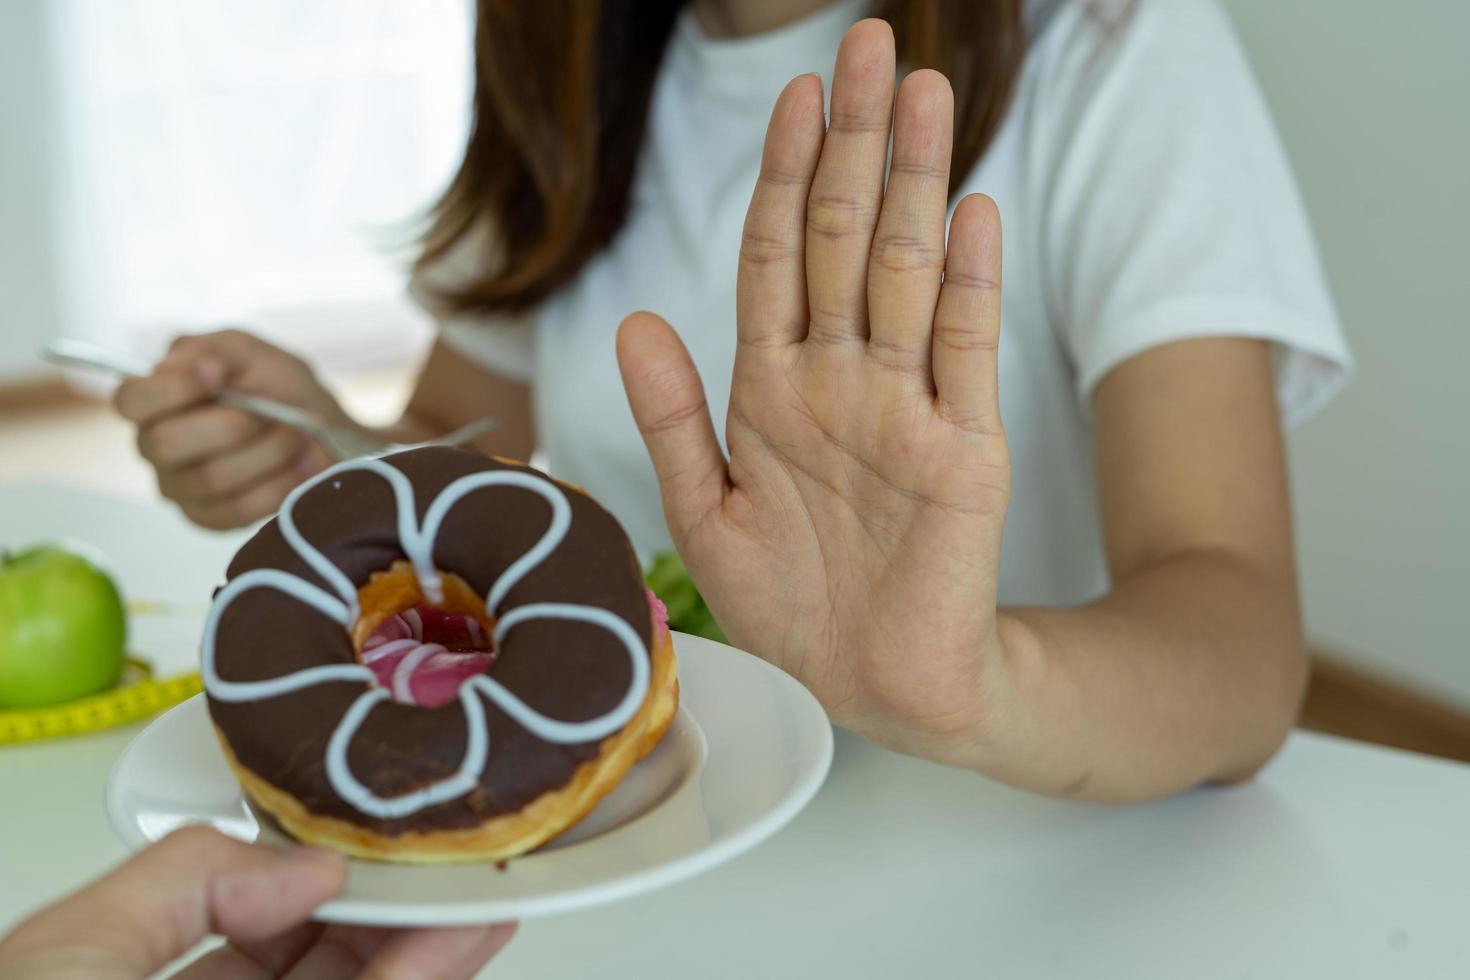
(1139, 631)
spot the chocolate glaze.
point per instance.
(567, 670)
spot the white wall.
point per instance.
(29, 309)
(157, 176)
(1373, 102)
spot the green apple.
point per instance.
(62, 628)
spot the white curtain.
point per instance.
(258, 163)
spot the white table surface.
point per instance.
(1340, 861)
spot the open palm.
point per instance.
(853, 536)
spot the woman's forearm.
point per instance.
(453, 391)
(409, 428)
(1191, 669)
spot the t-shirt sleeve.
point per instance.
(1170, 211)
(501, 343)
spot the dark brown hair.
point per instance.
(562, 92)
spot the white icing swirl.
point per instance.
(403, 672)
(297, 588)
(477, 747)
(417, 543)
(372, 654)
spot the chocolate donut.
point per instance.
(580, 682)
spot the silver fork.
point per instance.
(341, 442)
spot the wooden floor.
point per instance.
(1347, 701)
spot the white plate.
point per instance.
(749, 748)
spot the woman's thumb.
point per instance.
(667, 399)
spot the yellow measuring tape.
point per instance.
(139, 696)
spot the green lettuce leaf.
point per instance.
(687, 612)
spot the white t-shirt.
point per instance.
(1145, 199)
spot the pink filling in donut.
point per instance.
(660, 617)
(422, 655)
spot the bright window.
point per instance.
(256, 163)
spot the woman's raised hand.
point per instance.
(853, 536)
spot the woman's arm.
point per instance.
(1192, 666)
(853, 535)
(453, 391)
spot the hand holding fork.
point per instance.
(232, 423)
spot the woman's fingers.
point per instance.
(967, 319)
(193, 371)
(172, 387)
(667, 399)
(224, 475)
(907, 259)
(842, 209)
(185, 438)
(771, 289)
(226, 468)
(249, 364)
(250, 504)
